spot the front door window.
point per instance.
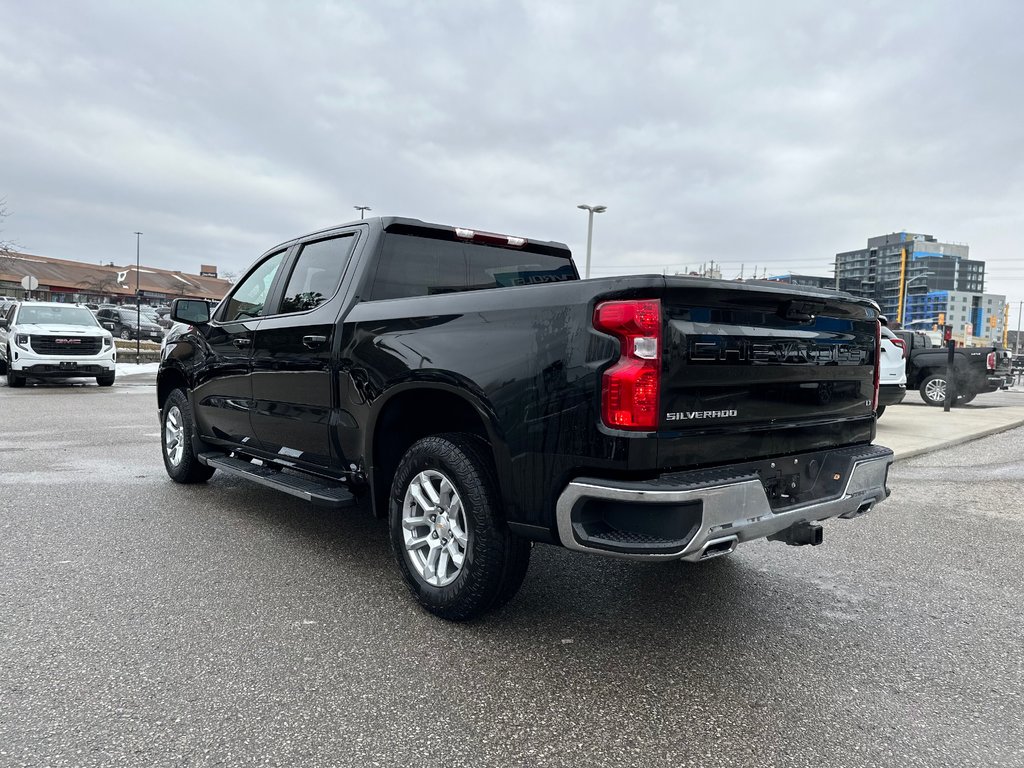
(250, 296)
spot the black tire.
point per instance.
(106, 381)
(495, 560)
(3, 365)
(184, 467)
(930, 389)
(125, 334)
(965, 399)
(13, 379)
(879, 411)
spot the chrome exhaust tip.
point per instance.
(718, 547)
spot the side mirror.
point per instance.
(190, 311)
(108, 326)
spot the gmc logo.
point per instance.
(67, 341)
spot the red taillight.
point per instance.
(878, 360)
(902, 345)
(630, 388)
(990, 362)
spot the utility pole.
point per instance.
(138, 303)
(901, 296)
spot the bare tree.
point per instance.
(7, 247)
(101, 285)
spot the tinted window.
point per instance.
(251, 294)
(317, 273)
(418, 266)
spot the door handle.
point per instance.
(313, 341)
(242, 342)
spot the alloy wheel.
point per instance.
(434, 528)
(174, 436)
(935, 390)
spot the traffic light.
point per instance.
(942, 318)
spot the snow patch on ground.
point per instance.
(131, 369)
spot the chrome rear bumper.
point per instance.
(728, 506)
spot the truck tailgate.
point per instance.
(763, 371)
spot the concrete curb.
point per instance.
(913, 428)
(912, 452)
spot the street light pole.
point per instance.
(138, 303)
(906, 298)
(591, 210)
(362, 210)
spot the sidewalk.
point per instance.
(912, 428)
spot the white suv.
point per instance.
(892, 371)
(51, 340)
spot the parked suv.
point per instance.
(124, 323)
(50, 340)
(892, 370)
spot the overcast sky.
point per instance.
(748, 133)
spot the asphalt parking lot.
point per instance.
(148, 624)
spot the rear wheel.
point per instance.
(965, 399)
(176, 431)
(879, 411)
(454, 551)
(933, 389)
(126, 334)
(106, 381)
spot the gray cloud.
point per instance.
(769, 134)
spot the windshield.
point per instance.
(57, 316)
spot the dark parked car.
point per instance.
(977, 370)
(124, 323)
(163, 317)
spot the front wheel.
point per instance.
(13, 379)
(106, 380)
(454, 551)
(879, 411)
(176, 430)
(965, 399)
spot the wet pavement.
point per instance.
(149, 624)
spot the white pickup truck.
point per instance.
(52, 340)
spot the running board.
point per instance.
(321, 492)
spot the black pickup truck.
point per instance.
(976, 370)
(474, 391)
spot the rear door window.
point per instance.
(317, 273)
(420, 266)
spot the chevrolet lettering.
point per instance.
(470, 389)
(687, 415)
(728, 349)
